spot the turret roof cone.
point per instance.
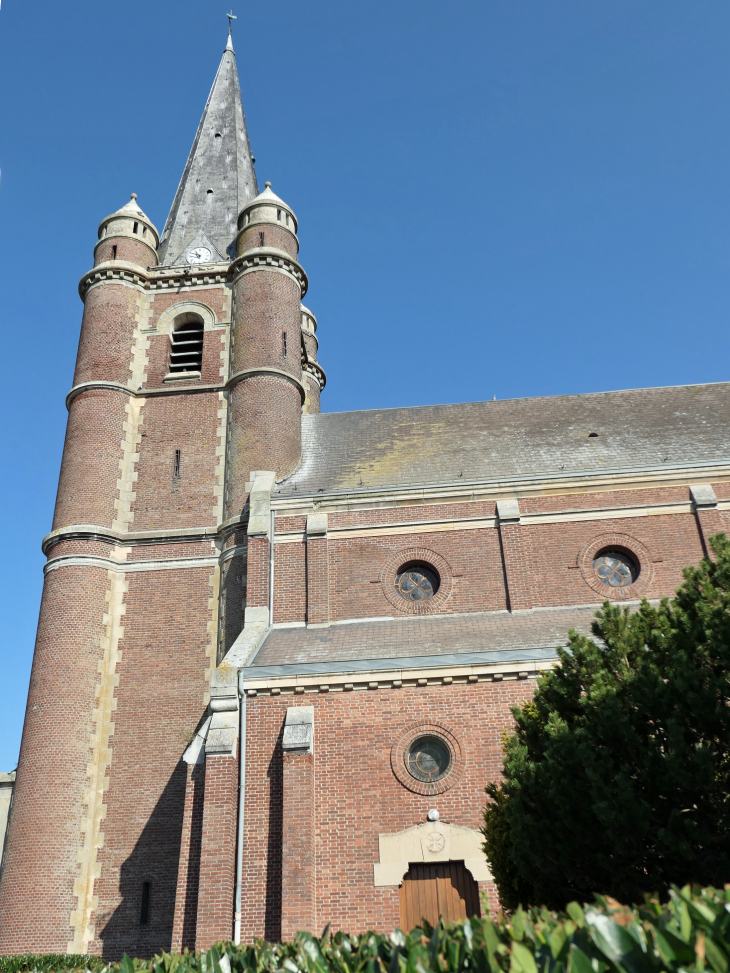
(219, 177)
(270, 195)
(133, 208)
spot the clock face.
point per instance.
(198, 255)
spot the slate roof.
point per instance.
(513, 438)
(222, 164)
(399, 643)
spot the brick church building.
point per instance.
(277, 647)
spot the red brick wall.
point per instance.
(298, 885)
(274, 236)
(188, 875)
(264, 433)
(107, 328)
(265, 410)
(540, 561)
(357, 795)
(267, 303)
(552, 551)
(87, 485)
(290, 582)
(217, 861)
(36, 891)
(161, 682)
(215, 297)
(188, 423)
(258, 572)
(355, 565)
(318, 580)
(133, 251)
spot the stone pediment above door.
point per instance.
(434, 841)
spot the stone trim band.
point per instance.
(402, 678)
(265, 370)
(138, 393)
(126, 567)
(269, 258)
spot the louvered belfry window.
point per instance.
(186, 344)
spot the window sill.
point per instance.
(181, 377)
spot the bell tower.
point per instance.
(195, 364)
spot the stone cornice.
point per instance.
(93, 532)
(188, 276)
(195, 275)
(139, 393)
(265, 370)
(316, 371)
(128, 567)
(153, 278)
(548, 484)
(379, 675)
(115, 272)
(270, 258)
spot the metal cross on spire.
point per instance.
(231, 17)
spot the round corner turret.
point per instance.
(313, 376)
(267, 221)
(128, 235)
(309, 322)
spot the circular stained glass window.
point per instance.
(416, 582)
(615, 569)
(428, 759)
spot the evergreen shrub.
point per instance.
(689, 932)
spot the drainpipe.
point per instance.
(241, 808)
(242, 771)
(271, 574)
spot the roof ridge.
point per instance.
(522, 398)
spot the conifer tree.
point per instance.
(617, 775)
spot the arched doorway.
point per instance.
(445, 889)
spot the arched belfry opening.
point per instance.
(186, 343)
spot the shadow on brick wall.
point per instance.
(154, 859)
(272, 925)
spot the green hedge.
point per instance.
(691, 931)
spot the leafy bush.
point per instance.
(50, 962)
(616, 779)
(690, 932)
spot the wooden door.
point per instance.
(443, 889)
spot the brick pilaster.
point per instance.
(216, 889)
(709, 522)
(318, 575)
(257, 584)
(188, 876)
(516, 568)
(298, 875)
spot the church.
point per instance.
(278, 647)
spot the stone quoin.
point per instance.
(277, 648)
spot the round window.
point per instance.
(416, 582)
(428, 759)
(615, 568)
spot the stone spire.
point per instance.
(219, 178)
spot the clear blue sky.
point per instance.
(496, 197)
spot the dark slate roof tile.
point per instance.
(427, 639)
(513, 438)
